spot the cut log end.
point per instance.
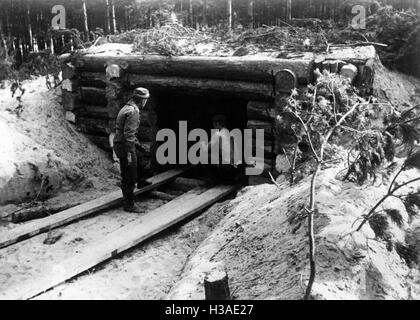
(113, 71)
(285, 81)
(349, 72)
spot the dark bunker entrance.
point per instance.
(198, 112)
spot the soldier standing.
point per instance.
(125, 141)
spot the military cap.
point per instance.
(142, 93)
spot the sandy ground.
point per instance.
(262, 243)
(259, 237)
(148, 271)
(42, 154)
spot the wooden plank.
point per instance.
(120, 240)
(33, 228)
(162, 195)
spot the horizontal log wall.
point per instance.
(101, 85)
(96, 87)
(249, 68)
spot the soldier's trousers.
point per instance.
(130, 173)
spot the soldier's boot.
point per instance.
(132, 207)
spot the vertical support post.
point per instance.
(216, 285)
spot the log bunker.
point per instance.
(249, 90)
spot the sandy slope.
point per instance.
(262, 243)
(40, 148)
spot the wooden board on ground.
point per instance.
(120, 240)
(185, 184)
(33, 228)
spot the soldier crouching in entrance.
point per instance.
(125, 141)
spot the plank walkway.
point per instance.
(38, 226)
(120, 240)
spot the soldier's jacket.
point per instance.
(127, 125)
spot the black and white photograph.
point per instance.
(237, 151)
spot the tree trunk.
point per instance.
(288, 10)
(8, 30)
(205, 13)
(311, 233)
(251, 13)
(311, 11)
(85, 20)
(150, 18)
(28, 17)
(114, 20)
(108, 23)
(52, 49)
(229, 14)
(223, 68)
(191, 14)
(1, 29)
(127, 18)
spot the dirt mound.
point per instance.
(395, 87)
(42, 154)
(262, 242)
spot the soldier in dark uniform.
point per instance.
(125, 141)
